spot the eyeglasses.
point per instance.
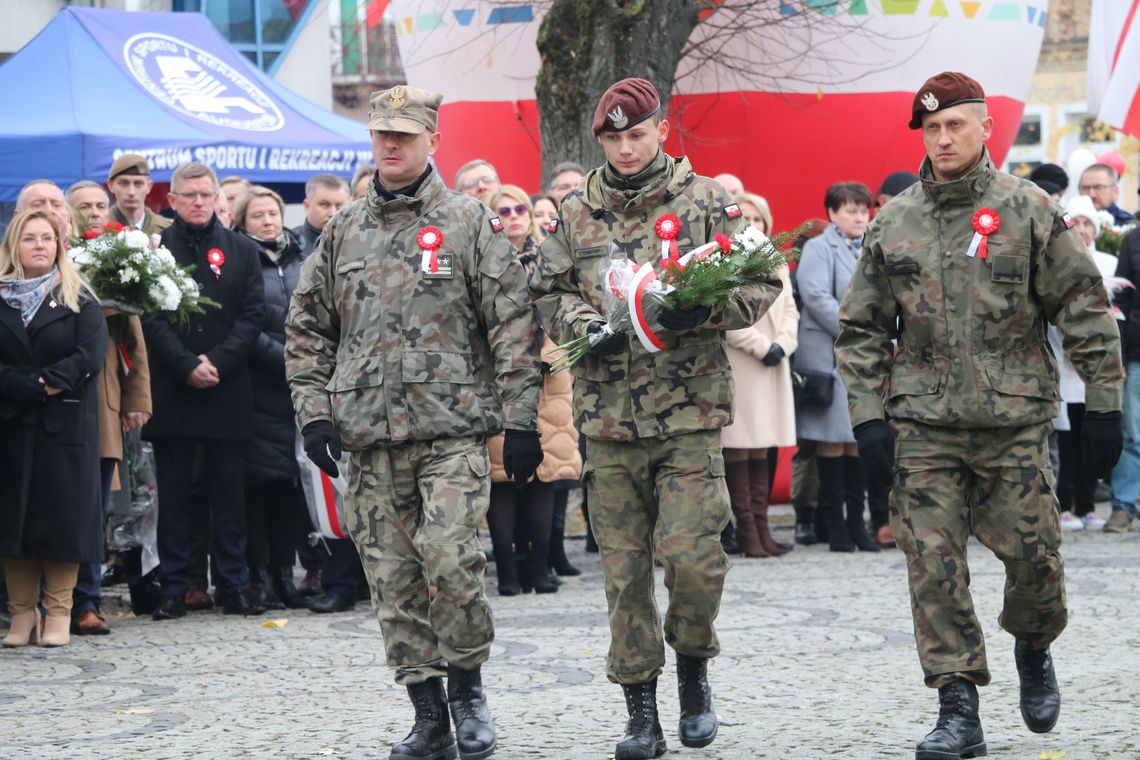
(519, 210)
(486, 179)
(564, 186)
(196, 196)
(1094, 188)
(32, 239)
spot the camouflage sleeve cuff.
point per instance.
(1100, 398)
(866, 412)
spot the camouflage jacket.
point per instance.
(636, 394)
(392, 353)
(972, 347)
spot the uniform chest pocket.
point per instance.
(1009, 268)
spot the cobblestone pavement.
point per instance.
(818, 661)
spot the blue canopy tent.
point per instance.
(98, 83)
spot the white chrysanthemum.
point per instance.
(167, 293)
(165, 257)
(189, 286)
(128, 274)
(135, 239)
(752, 238)
(80, 257)
(1105, 220)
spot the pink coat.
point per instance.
(765, 410)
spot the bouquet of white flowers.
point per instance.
(636, 294)
(132, 276)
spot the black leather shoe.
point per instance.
(169, 608)
(431, 737)
(805, 534)
(1040, 696)
(261, 591)
(698, 721)
(113, 575)
(145, 597)
(332, 601)
(286, 590)
(238, 601)
(474, 731)
(643, 738)
(958, 732)
(728, 540)
(509, 589)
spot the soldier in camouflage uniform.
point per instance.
(965, 270)
(408, 344)
(654, 473)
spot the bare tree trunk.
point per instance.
(587, 45)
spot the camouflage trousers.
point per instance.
(413, 512)
(663, 499)
(998, 484)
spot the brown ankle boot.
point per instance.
(739, 492)
(758, 474)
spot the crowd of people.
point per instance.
(302, 337)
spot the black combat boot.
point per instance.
(854, 488)
(698, 721)
(431, 737)
(1040, 696)
(474, 731)
(831, 496)
(643, 738)
(958, 733)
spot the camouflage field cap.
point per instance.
(941, 91)
(404, 109)
(129, 163)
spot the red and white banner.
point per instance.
(822, 95)
(1114, 64)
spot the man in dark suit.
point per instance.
(201, 391)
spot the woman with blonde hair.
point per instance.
(755, 210)
(51, 352)
(542, 502)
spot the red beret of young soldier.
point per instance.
(626, 104)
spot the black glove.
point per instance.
(522, 454)
(679, 320)
(1102, 439)
(322, 446)
(610, 344)
(24, 388)
(774, 355)
(876, 449)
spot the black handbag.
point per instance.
(813, 388)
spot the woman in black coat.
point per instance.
(275, 510)
(53, 338)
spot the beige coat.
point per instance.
(561, 459)
(765, 410)
(121, 391)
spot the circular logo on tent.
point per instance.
(198, 84)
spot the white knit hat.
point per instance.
(1082, 205)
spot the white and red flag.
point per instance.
(1114, 64)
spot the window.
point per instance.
(1029, 133)
(259, 29)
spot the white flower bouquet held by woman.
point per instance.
(133, 276)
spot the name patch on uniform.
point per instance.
(1068, 219)
(442, 272)
(552, 227)
(732, 211)
(496, 225)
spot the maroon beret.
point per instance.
(629, 102)
(950, 88)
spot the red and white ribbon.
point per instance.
(644, 285)
(985, 222)
(668, 227)
(429, 241)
